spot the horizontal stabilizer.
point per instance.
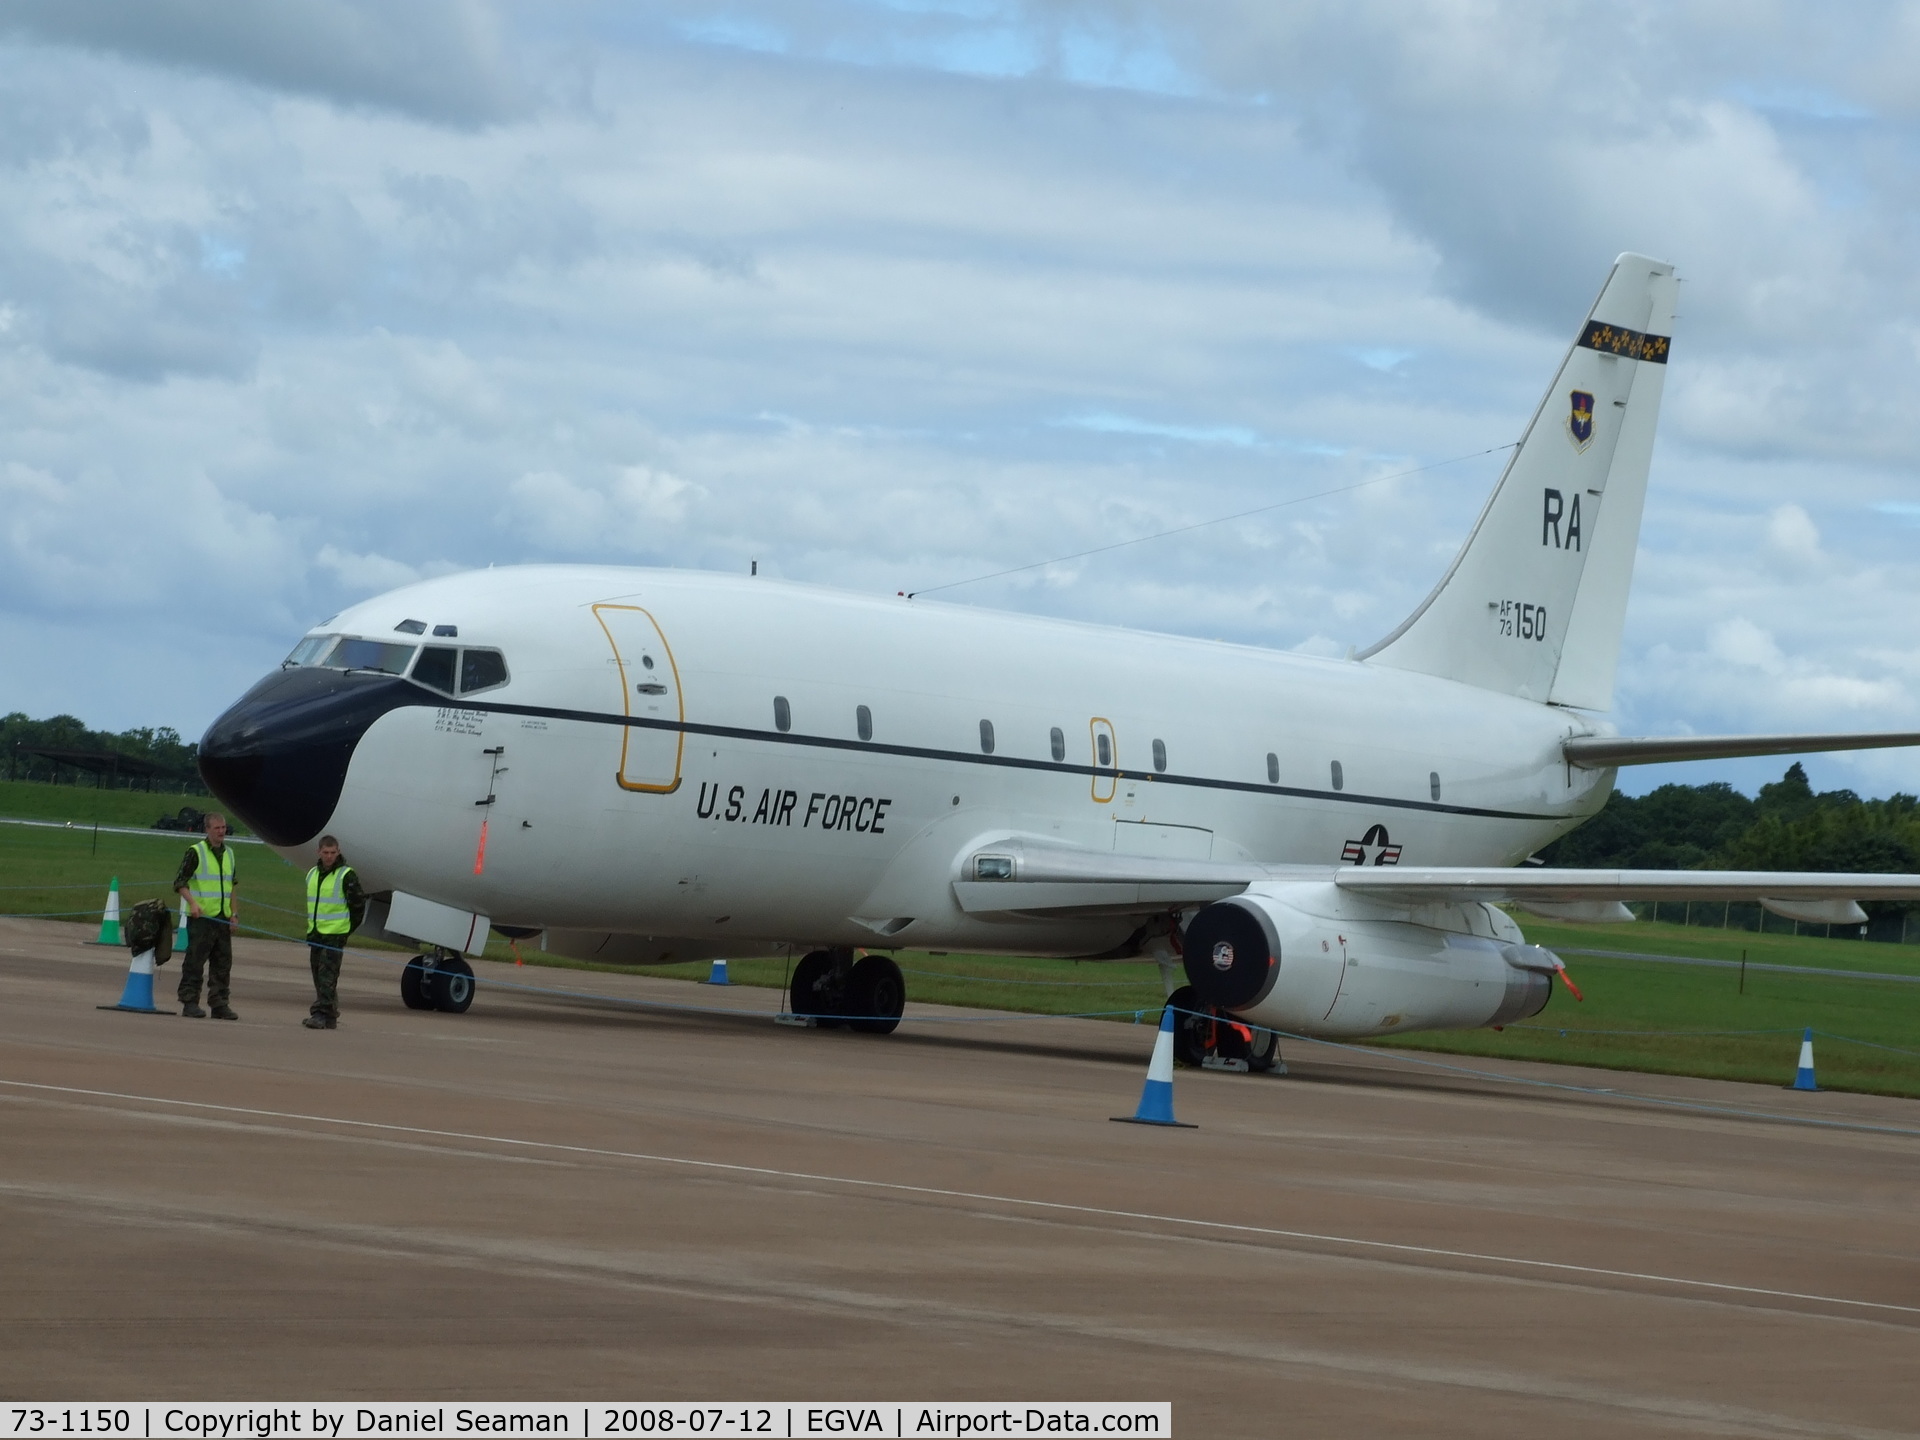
(1604, 752)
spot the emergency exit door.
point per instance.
(650, 749)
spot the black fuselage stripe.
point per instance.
(1006, 762)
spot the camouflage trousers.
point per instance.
(323, 954)
(209, 952)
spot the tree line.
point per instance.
(175, 761)
(1787, 826)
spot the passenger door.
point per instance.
(1106, 759)
(650, 750)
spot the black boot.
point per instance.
(193, 1011)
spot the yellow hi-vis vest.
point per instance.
(327, 910)
(211, 883)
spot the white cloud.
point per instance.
(368, 573)
(1741, 642)
(1792, 533)
(895, 296)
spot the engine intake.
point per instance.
(1232, 954)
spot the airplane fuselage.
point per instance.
(724, 760)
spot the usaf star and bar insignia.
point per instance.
(1373, 848)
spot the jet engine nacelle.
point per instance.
(1308, 959)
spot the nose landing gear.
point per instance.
(832, 989)
(441, 980)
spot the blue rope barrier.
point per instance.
(90, 885)
(1578, 1030)
(997, 980)
(1870, 1044)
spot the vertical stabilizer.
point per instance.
(1534, 603)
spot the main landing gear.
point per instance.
(833, 989)
(441, 980)
(1209, 1038)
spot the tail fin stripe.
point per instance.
(1615, 340)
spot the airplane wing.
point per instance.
(1022, 878)
(1602, 752)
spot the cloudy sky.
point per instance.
(300, 302)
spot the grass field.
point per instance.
(82, 804)
(65, 872)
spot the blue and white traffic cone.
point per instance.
(180, 932)
(717, 975)
(138, 996)
(1156, 1096)
(1803, 1077)
(110, 917)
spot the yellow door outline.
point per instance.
(626, 701)
(1103, 775)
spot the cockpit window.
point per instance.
(436, 667)
(309, 650)
(482, 670)
(350, 653)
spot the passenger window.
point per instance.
(412, 627)
(1103, 749)
(1339, 777)
(1160, 755)
(481, 670)
(1433, 783)
(1059, 745)
(435, 667)
(863, 722)
(1273, 768)
(782, 714)
(986, 737)
(351, 654)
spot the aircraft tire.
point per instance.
(1192, 1032)
(810, 989)
(413, 984)
(451, 986)
(1264, 1052)
(877, 991)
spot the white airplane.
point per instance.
(644, 766)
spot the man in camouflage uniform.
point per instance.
(335, 907)
(205, 884)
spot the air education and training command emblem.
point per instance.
(1580, 421)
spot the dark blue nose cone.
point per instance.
(278, 758)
